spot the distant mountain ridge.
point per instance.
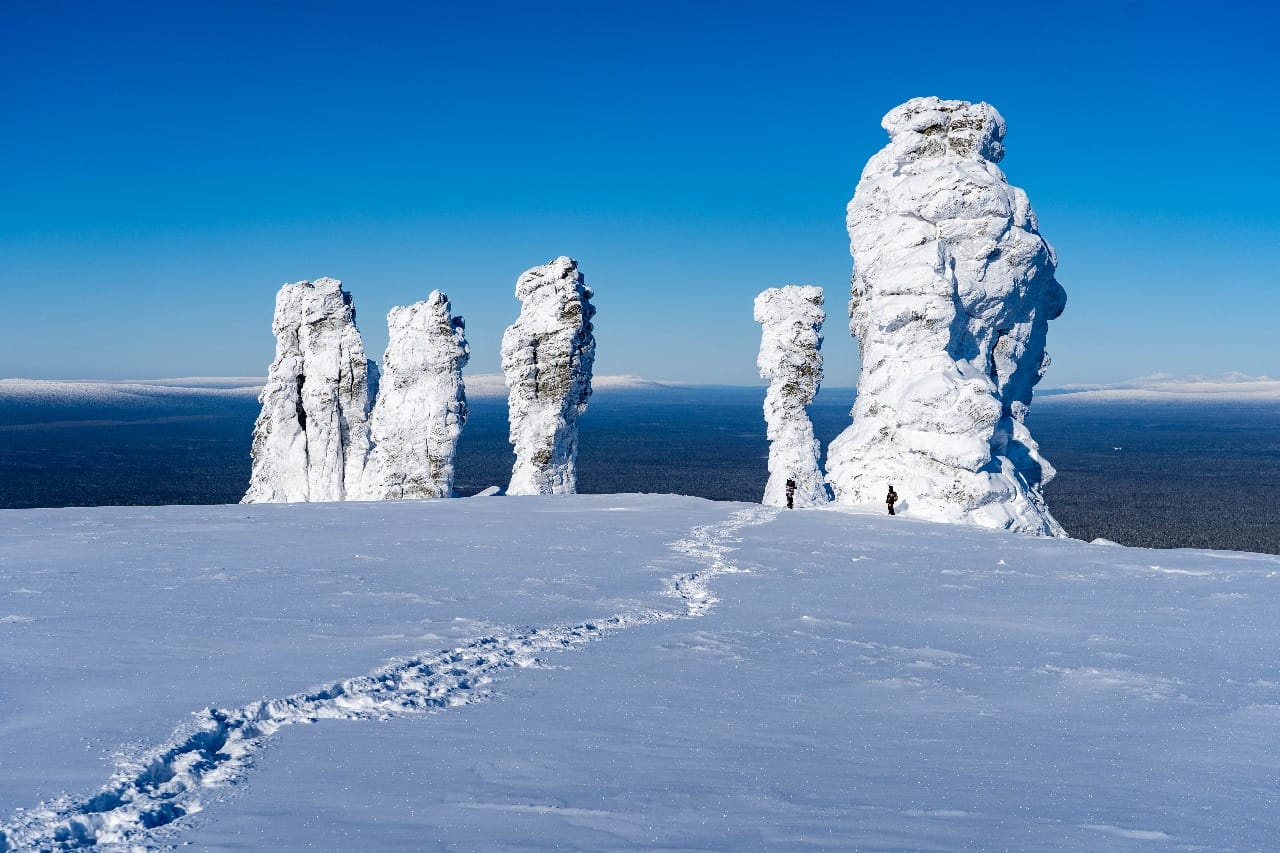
(125, 390)
(1160, 387)
(1166, 388)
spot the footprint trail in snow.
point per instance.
(217, 747)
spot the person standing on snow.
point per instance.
(891, 498)
(791, 493)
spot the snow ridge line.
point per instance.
(216, 748)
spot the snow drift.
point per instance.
(791, 359)
(422, 404)
(547, 356)
(311, 441)
(952, 293)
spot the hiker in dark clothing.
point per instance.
(791, 494)
(891, 499)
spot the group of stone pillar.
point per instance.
(952, 293)
(334, 427)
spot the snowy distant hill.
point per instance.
(1232, 388)
(148, 390)
(1163, 388)
(621, 671)
(124, 392)
(495, 385)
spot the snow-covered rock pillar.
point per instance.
(547, 355)
(952, 294)
(422, 404)
(791, 359)
(311, 440)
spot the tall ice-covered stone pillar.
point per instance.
(790, 358)
(952, 295)
(311, 439)
(422, 404)
(547, 356)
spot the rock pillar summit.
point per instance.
(547, 356)
(952, 294)
(422, 404)
(791, 359)
(311, 440)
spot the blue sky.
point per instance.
(169, 165)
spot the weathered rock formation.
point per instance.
(311, 440)
(421, 406)
(547, 355)
(953, 290)
(791, 359)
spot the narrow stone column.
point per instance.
(547, 356)
(790, 358)
(422, 404)
(311, 439)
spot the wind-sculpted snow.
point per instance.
(790, 358)
(217, 747)
(952, 294)
(421, 406)
(547, 356)
(311, 441)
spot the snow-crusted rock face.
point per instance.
(421, 406)
(547, 355)
(791, 359)
(311, 440)
(953, 290)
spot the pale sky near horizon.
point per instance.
(170, 165)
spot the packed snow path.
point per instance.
(217, 747)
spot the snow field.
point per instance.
(163, 784)
(861, 682)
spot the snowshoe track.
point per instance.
(216, 749)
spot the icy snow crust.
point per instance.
(790, 358)
(547, 356)
(662, 672)
(422, 404)
(311, 441)
(952, 294)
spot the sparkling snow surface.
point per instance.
(611, 671)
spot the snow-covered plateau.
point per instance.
(621, 671)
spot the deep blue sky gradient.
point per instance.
(169, 165)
